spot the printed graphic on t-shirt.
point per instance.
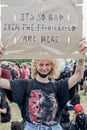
(42, 107)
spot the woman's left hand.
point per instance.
(83, 46)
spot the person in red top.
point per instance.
(25, 72)
(6, 74)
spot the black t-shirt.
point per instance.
(41, 103)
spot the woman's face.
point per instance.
(44, 66)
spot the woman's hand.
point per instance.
(78, 75)
(1, 49)
(73, 118)
(83, 46)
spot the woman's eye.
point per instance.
(41, 64)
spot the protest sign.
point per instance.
(41, 28)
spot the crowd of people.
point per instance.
(42, 101)
(13, 70)
(69, 70)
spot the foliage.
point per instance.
(19, 61)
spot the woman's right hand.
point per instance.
(1, 49)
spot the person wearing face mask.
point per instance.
(41, 104)
(79, 121)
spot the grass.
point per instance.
(16, 115)
(83, 100)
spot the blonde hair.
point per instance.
(52, 73)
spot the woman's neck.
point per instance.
(43, 80)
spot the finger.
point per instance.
(1, 46)
(1, 51)
(83, 38)
(83, 43)
(84, 51)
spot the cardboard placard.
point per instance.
(41, 28)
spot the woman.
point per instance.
(41, 105)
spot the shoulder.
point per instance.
(19, 83)
(61, 83)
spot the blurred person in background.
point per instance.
(5, 115)
(65, 118)
(6, 74)
(85, 80)
(25, 71)
(13, 70)
(16, 125)
(79, 118)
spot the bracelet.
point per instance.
(80, 61)
(79, 65)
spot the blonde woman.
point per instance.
(40, 105)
